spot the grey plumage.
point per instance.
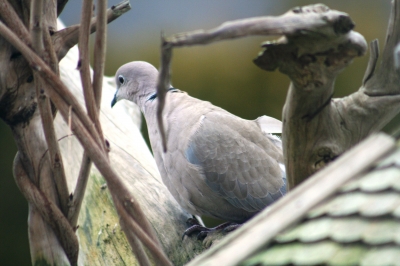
(217, 164)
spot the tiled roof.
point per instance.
(358, 225)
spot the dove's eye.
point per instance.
(121, 79)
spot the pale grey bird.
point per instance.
(216, 164)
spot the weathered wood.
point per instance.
(317, 43)
(19, 110)
(49, 243)
(317, 129)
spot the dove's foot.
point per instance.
(203, 231)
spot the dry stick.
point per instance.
(57, 165)
(286, 24)
(122, 198)
(79, 192)
(150, 244)
(49, 211)
(84, 67)
(137, 249)
(50, 51)
(99, 55)
(99, 50)
(13, 21)
(58, 93)
(38, 65)
(133, 208)
(66, 38)
(36, 24)
(163, 84)
(45, 110)
(91, 103)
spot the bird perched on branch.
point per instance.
(216, 164)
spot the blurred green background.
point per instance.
(222, 73)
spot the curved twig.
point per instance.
(12, 20)
(49, 211)
(82, 128)
(163, 84)
(66, 38)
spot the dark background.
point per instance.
(222, 73)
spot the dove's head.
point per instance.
(136, 81)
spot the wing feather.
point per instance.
(238, 160)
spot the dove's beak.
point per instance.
(114, 101)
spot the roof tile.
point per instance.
(359, 225)
(382, 256)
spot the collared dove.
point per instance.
(216, 164)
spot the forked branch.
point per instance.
(86, 134)
(66, 38)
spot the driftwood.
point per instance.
(317, 43)
(52, 170)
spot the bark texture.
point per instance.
(317, 128)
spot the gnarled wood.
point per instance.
(317, 43)
(318, 129)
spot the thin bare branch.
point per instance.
(134, 210)
(79, 192)
(131, 224)
(99, 50)
(137, 249)
(50, 53)
(36, 27)
(66, 38)
(81, 127)
(91, 106)
(38, 65)
(97, 86)
(56, 165)
(49, 211)
(84, 66)
(329, 25)
(84, 70)
(163, 84)
(10, 17)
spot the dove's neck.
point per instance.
(143, 99)
(149, 102)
